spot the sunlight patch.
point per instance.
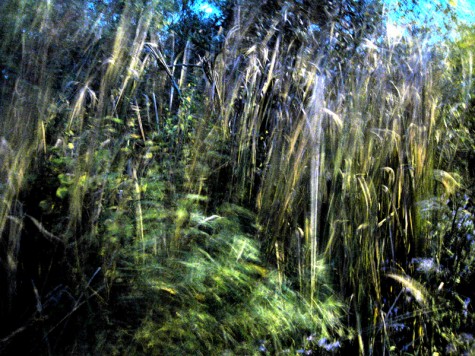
(394, 32)
(206, 10)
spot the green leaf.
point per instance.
(117, 120)
(62, 192)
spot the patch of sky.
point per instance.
(206, 9)
(440, 17)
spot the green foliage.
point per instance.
(176, 187)
(216, 297)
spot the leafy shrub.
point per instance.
(217, 297)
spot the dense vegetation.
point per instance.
(279, 177)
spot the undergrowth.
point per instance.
(284, 179)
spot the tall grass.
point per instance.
(101, 148)
(336, 138)
(340, 157)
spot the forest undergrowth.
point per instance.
(279, 179)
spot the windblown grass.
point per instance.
(100, 146)
(340, 139)
(337, 157)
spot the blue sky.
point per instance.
(430, 10)
(432, 14)
(206, 9)
(465, 10)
